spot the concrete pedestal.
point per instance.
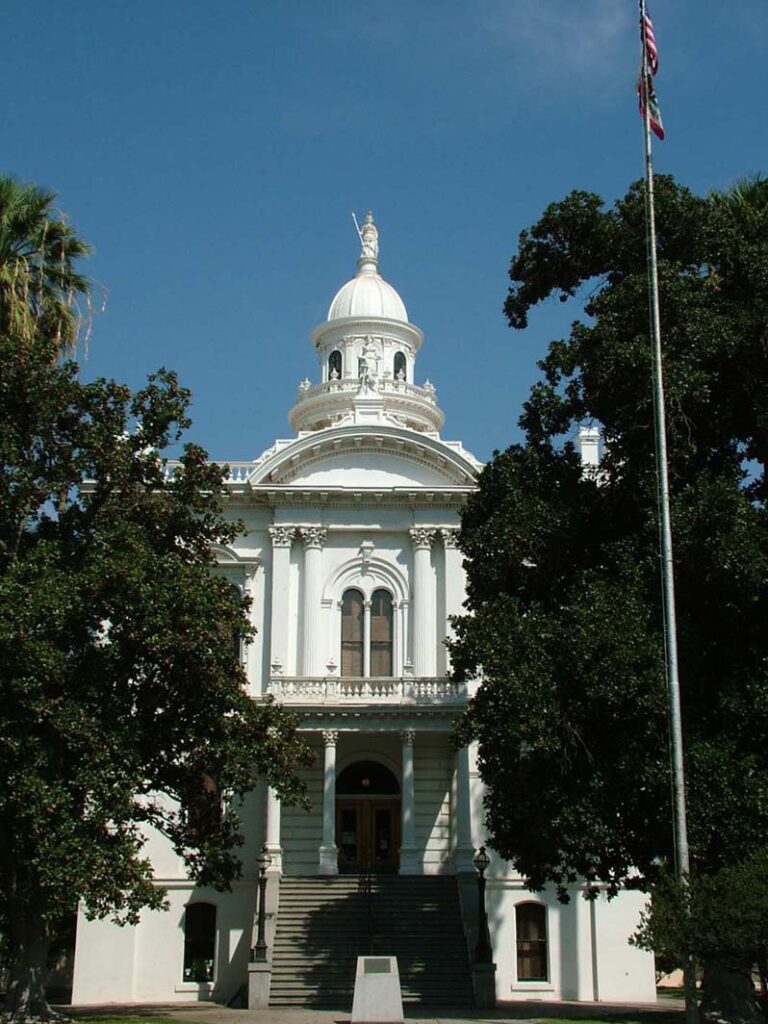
(484, 985)
(259, 978)
(377, 991)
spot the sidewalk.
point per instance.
(211, 1013)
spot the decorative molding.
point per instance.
(330, 737)
(313, 536)
(251, 567)
(422, 536)
(282, 536)
(378, 573)
(408, 736)
(366, 553)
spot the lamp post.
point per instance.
(259, 951)
(483, 955)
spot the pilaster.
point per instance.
(454, 582)
(282, 539)
(253, 588)
(408, 853)
(311, 656)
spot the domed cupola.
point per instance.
(367, 352)
(368, 294)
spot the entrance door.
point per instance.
(368, 834)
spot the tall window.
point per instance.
(531, 926)
(199, 941)
(400, 366)
(380, 661)
(352, 633)
(381, 633)
(334, 365)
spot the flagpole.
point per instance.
(680, 827)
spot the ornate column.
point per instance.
(464, 852)
(329, 854)
(282, 539)
(314, 541)
(408, 860)
(423, 602)
(272, 832)
(454, 583)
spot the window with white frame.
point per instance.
(531, 934)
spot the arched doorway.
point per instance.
(367, 818)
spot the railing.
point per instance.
(238, 471)
(351, 384)
(378, 690)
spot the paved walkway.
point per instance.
(212, 1013)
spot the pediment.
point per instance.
(354, 458)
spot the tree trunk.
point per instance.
(29, 941)
(729, 994)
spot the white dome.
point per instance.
(367, 295)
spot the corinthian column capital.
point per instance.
(282, 536)
(422, 536)
(313, 536)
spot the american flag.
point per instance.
(649, 41)
(647, 94)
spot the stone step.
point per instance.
(323, 923)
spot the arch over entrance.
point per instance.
(367, 818)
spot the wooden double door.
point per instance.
(368, 833)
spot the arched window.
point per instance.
(334, 365)
(381, 633)
(352, 633)
(401, 367)
(531, 928)
(364, 778)
(199, 941)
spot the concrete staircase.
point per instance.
(324, 924)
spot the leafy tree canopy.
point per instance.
(565, 624)
(123, 703)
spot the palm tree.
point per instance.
(41, 290)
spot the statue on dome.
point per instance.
(368, 364)
(369, 237)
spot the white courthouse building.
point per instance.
(351, 563)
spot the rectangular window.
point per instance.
(531, 926)
(199, 942)
(352, 628)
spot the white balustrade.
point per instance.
(384, 690)
(385, 387)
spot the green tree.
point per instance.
(123, 706)
(564, 584)
(41, 289)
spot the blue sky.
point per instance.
(212, 153)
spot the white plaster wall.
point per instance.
(622, 971)
(366, 469)
(145, 963)
(104, 963)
